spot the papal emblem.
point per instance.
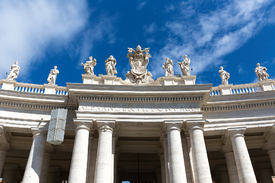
(139, 60)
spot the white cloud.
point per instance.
(150, 28)
(28, 27)
(141, 5)
(210, 36)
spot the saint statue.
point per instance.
(184, 66)
(168, 66)
(89, 66)
(224, 76)
(14, 71)
(261, 72)
(110, 64)
(52, 76)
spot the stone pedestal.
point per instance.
(226, 89)
(242, 158)
(231, 164)
(108, 80)
(78, 169)
(88, 79)
(9, 173)
(177, 166)
(267, 85)
(168, 80)
(35, 160)
(103, 172)
(49, 88)
(201, 167)
(8, 84)
(189, 80)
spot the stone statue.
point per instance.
(14, 71)
(110, 64)
(139, 61)
(89, 66)
(168, 66)
(52, 76)
(184, 66)
(224, 76)
(261, 72)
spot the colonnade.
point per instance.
(172, 157)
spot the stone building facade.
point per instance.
(170, 130)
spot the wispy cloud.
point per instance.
(210, 36)
(141, 5)
(28, 27)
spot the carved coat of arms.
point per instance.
(139, 60)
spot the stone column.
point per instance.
(243, 162)
(78, 169)
(35, 160)
(270, 147)
(166, 159)
(4, 147)
(9, 173)
(162, 164)
(92, 160)
(46, 165)
(222, 174)
(231, 164)
(264, 172)
(201, 167)
(177, 167)
(103, 172)
(53, 172)
(186, 158)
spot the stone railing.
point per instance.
(33, 88)
(29, 88)
(243, 88)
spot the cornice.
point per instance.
(139, 99)
(238, 106)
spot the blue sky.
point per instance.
(39, 34)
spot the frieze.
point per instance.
(140, 99)
(147, 108)
(236, 107)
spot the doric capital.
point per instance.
(235, 132)
(269, 146)
(106, 126)
(195, 125)
(227, 149)
(83, 125)
(38, 132)
(172, 125)
(5, 146)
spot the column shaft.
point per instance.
(92, 156)
(35, 160)
(4, 147)
(103, 172)
(272, 158)
(166, 160)
(244, 165)
(232, 168)
(177, 167)
(202, 172)
(45, 168)
(78, 169)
